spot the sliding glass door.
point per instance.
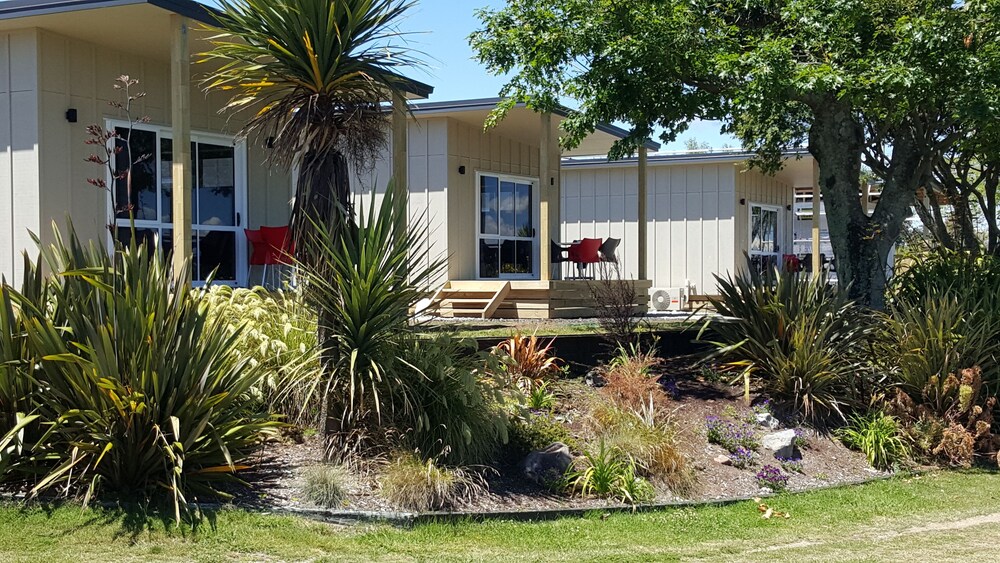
(218, 200)
(507, 242)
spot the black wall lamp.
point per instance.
(461, 170)
(743, 201)
(788, 207)
(71, 115)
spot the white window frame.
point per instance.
(779, 226)
(241, 196)
(535, 218)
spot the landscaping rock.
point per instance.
(595, 379)
(723, 460)
(767, 420)
(781, 443)
(547, 465)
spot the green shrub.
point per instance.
(536, 431)
(540, 399)
(457, 410)
(940, 335)
(945, 317)
(325, 485)
(364, 281)
(878, 436)
(278, 332)
(413, 484)
(805, 342)
(608, 473)
(139, 388)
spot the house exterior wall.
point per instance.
(20, 202)
(442, 201)
(43, 173)
(756, 187)
(480, 152)
(427, 183)
(691, 227)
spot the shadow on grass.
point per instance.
(132, 519)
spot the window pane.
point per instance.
(147, 236)
(140, 150)
(522, 210)
(508, 264)
(507, 227)
(763, 230)
(217, 252)
(489, 258)
(524, 258)
(488, 206)
(216, 185)
(166, 179)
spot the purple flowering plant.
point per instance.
(771, 477)
(730, 434)
(790, 464)
(741, 458)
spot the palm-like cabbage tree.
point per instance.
(313, 76)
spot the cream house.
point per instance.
(705, 212)
(492, 201)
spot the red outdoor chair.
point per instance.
(585, 252)
(279, 243)
(271, 246)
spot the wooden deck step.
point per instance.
(479, 299)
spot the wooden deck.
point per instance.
(529, 299)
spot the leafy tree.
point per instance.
(966, 178)
(693, 144)
(312, 75)
(882, 83)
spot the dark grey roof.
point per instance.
(490, 103)
(13, 9)
(22, 8)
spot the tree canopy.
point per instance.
(889, 84)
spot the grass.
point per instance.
(548, 328)
(950, 515)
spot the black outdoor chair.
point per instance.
(608, 250)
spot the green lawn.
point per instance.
(944, 516)
(547, 328)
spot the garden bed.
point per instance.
(825, 462)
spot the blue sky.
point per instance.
(440, 28)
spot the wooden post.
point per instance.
(180, 107)
(399, 144)
(815, 220)
(642, 218)
(544, 173)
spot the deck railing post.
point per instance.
(180, 123)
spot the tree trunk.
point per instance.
(322, 197)
(861, 243)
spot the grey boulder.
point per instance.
(781, 443)
(547, 465)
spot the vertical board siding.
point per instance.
(755, 187)
(427, 186)
(20, 205)
(478, 152)
(690, 222)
